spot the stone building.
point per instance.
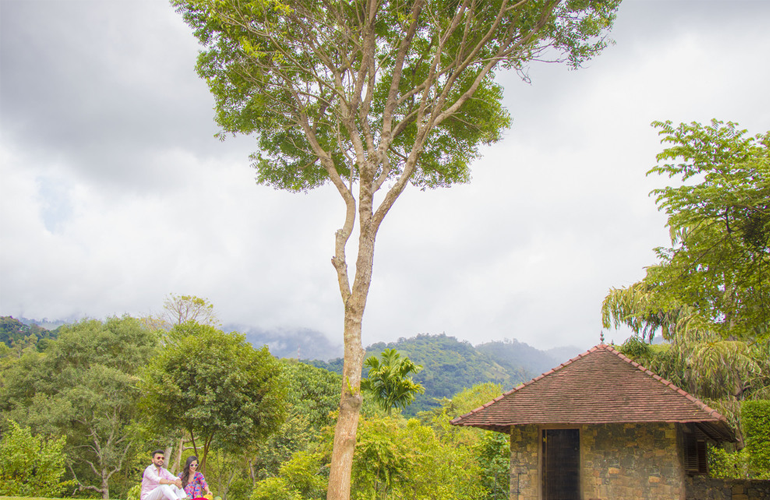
(601, 426)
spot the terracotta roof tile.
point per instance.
(599, 386)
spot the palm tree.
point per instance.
(389, 381)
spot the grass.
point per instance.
(41, 498)
(31, 498)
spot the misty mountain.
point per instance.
(297, 343)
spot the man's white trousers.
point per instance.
(167, 492)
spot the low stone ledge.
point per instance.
(709, 488)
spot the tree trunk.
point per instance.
(105, 486)
(350, 407)
(167, 453)
(351, 399)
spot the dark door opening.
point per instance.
(561, 464)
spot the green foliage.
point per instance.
(396, 458)
(720, 226)
(14, 331)
(301, 477)
(84, 387)
(312, 397)
(312, 392)
(755, 420)
(494, 455)
(135, 493)
(753, 461)
(399, 458)
(724, 464)
(224, 473)
(383, 461)
(315, 80)
(31, 465)
(214, 384)
(706, 365)
(390, 382)
(715, 276)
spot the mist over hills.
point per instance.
(297, 343)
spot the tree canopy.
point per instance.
(715, 275)
(360, 90)
(84, 387)
(215, 385)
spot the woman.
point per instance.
(193, 481)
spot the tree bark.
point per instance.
(351, 398)
(105, 487)
(350, 407)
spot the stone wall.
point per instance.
(525, 461)
(709, 488)
(631, 461)
(618, 462)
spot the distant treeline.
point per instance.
(12, 330)
(449, 365)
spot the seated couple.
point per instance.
(159, 484)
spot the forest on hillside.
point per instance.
(450, 366)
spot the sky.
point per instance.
(114, 192)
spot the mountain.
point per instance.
(519, 357)
(564, 354)
(450, 365)
(12, 330)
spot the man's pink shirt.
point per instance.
(151, 479)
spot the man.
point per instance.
(158, 483)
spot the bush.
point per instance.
(31, 466)
(755, 421)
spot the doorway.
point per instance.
(561, 464)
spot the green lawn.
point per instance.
(35, 498)
(26, 498)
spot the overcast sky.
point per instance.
(114, 192)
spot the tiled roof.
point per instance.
(600, 386)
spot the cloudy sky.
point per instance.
(114, 192)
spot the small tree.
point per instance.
(31, 466)
(178, 309)
(755, 420)
(390, 382)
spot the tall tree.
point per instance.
(214, 385)
(390, 382)
(372, 96)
